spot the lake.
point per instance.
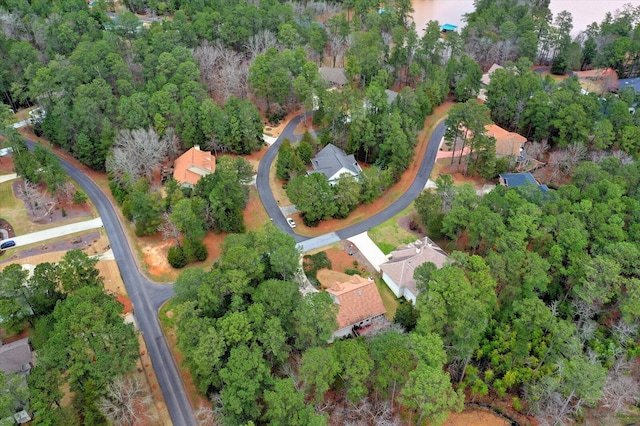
(584, 12)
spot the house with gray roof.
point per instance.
(398, 271)
(16, 357)
(336, 77)
(333, 162)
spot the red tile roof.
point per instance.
(358, 300)
(192, 165)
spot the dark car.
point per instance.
(7, 244)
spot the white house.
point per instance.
(398, 271)
(333, 162)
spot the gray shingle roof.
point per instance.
(331, 159)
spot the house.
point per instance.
(333, 162)
(398, 271)
(336, 77)
(486, 77)
(447, 28)
(629, 82)
(514, 180)
(359, 304)
(192, 165)
(507, 143)
(16, 357)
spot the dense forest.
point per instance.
(540, 303)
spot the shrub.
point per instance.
(64, 213)
(176, 257)
(311, 263)
(79, 197)
(195, 250)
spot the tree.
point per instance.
(466, 121)
(429, 388)
(187, 220)
(77, 270)
(14, 309)
(318, 370)
(315, 320)
(314, 196)
(356, 366)
(13, 394)
(90, 342)
(45, 288)
(245, 376)
(136, 154)
(126, 402)
(285, 405)
(393, 360)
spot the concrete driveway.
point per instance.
(58, 231)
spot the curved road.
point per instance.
(270, 204)
(147, 297)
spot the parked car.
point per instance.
(291, 222)
(7, 244)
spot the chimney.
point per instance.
(196, 147)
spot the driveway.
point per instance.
(147, 297)
(58, 231)
(306, 243)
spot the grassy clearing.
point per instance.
(389, 235)
(389, 299)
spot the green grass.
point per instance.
(389, 299)
(389, 235)
(166, 322)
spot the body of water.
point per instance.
(584, 12)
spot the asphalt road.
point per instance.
(272, 208)
(262, 180)
(147, 297)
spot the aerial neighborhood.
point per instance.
(319, 213)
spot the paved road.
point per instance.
(262, 180)
(306, 243)
(58, 231)
(146, 297)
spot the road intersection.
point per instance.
(148, 297)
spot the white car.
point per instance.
(291, 222)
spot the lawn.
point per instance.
(389, 299)
(390, 235)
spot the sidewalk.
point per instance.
(59, 231)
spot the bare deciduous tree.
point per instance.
(226, 72)
(621, 389)
(260, 43)
(127, 402)
(169, 230)
(136, 153)
(205, 416)
(537, 150)
(32, 194)
(564, 160)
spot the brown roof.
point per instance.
(192, 165)
(597, 74)
(507, 143)
(405, 260)
(358, 299)
(15, 355)
(486, 77)
(335, 76)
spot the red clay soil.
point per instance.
(392, 194)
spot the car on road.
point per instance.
(291, 222)
(7, 244)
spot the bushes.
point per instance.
(311, 264)
(193, 251)
(176, 257)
